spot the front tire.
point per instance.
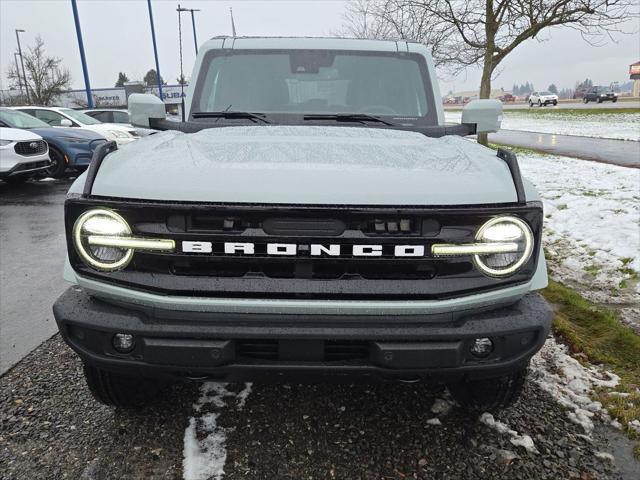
(489, 394)
(599, 100)
(614, 100)
(119, 390)
(585, 100)
(530, 104)
(58, 165)
(555, 102)
(540, 103)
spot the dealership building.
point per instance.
(111, 97)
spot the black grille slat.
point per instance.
(27, 149)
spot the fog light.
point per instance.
(123, 342)
(482, 347)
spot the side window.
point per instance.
(52, 118)
(102, 116)
(120, 117)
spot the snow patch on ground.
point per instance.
(570, 383)
(442, 406)
(621, 126)
(524, 441)
(204, 440)
(592, 227)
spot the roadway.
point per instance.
(625, 153)
(563, 105)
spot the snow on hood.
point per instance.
(306, 164)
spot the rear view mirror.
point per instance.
(142, 107)
(65, 122)
(485, 114)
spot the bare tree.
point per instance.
(463, 33)
(46, 79)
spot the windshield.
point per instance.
(80, 117)
(546, 93)
(15, 119)
(315, 82)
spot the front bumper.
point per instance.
(241, 346)
(26, 168)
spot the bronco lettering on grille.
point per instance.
(314, 249)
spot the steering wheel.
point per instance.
(378, 109)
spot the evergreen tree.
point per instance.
(122, 79)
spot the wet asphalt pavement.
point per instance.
(578, 105)
(32, 253)
(625, 153)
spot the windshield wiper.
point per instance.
(231, 114)
(347, 117)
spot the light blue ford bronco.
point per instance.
(312, 219)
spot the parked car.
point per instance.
(507, 97)
(109, 115)
(66, 117)
(344, 230)
(22, 155)
(68, 147)
(114, 115)
(542, 99)
(600, 94)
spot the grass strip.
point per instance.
(599, 334)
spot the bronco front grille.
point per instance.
(303, 276)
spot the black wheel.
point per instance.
(58, 165)
(530, 104)
(599, 100)
(489, 394)
(585, 100)
(614, 100)
(539, 103)
(119, 390)
(17, 179)
(555, 102)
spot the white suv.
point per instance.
(66, 117)
(22, 154)
(543, 99)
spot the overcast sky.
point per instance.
(117, 38)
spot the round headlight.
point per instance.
(504, 230)
(103, 223)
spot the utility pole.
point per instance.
(24, 75)
(83, 59)
(155, 51)
(193, 22)
(15, 57)
(180, 10)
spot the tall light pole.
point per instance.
(155, 50)
(24, 75)
(83, 59)
(193, 23)
(15, 57)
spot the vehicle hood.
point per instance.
(62, 132)
(18, 134)
(306, 165)
(106, 127)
